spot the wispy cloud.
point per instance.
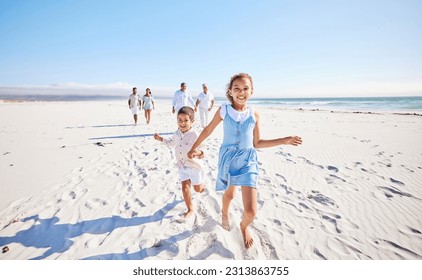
(113, 89)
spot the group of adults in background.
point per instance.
(182, 97)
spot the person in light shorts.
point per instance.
(191, 171)
(205, 102)
(134, 104)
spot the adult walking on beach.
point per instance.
(182, 98)
(205, 102)
(148, 104)
(134, 104)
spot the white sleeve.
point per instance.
(174, 100)
(223, 111)
(171, 142)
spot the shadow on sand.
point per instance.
(48, 233)
(129, 136)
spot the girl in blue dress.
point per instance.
(237, 162)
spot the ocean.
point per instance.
(389, 104)
(408, 104)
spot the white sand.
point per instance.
(351, 191)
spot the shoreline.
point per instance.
(331, 110)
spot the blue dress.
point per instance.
(237, 161)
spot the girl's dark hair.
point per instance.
(232, 79)
(186, 110)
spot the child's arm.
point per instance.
(261, 143)
(205, 133)
(168, 142)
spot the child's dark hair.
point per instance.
(232, 79)
(186, 110)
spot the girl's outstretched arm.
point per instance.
(261, 143)
(206, 132)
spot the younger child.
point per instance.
(190, 169)
(237, 161)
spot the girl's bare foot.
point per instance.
(247, 238)
(225, 222)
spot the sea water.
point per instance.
(395, 104)
(407, 104)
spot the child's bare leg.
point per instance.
(227, 198)
(249, 197)
(187, 198)
(135, 118)
(199, 188)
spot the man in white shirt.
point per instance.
(205, 101)
(182, 98)
(134, 104)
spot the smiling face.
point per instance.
(240, 91)
(184, 122)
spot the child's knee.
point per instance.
(249, 213)
(228, 195)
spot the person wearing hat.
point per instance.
(205, 102)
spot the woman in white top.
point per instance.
(148, 104)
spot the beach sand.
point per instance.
(80, 181)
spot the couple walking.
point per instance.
(136, 104)
(204, 101)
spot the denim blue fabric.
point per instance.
(237, 161)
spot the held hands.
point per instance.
(294, 140)
(195, 153)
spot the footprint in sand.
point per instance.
(322, 199)
(95, 203)
(332, 168)
(393, 190)
(333, 221)
(396, 182)
(333, 178)
(282, 177)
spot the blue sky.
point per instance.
(291, 48)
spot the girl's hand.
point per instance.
(199, 154)
(192, 153)
(294, 140)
